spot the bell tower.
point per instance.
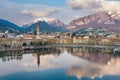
(38, 30)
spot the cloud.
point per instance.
(44, 19)
(83, 4)
(21, 14)
(39, 13)
(93, 4)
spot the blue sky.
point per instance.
(23, 12)
(58, 3)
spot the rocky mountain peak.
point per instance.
(51, 21)
(114, 14)
(109, 20)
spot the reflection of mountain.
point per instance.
(93, 55)
(110, 65)
(95, 70)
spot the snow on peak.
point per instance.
(45, 19)
(114, 14)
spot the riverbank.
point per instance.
(62, 45)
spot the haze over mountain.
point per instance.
(109, 20)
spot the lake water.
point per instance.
(60, 64)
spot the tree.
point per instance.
(31, 44)
(24, 44)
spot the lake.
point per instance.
(60, 64)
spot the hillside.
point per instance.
(44, 27)
(109, 20)
(9, 26)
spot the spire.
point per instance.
(38, 30)
(38, 59)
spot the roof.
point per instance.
(1, 34)
(27, 36)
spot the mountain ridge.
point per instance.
(44, 27)
(109, 20)
(98, 20)
(6, 25)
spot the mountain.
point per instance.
(44, 27)
(9, 26)
(47, 25)
(56, 23)
(109, 20)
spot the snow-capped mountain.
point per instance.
(50, 22)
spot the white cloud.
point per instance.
(83, 4)
(39, 13)
(93, 4)
(25, 13)
(21, 14)
(44, 19)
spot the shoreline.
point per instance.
(61, 45)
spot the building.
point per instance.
(1, 35)
(27, 37)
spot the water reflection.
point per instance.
(77, 62)
(18, 55)
(101, 63)
(7, 56)
(94, 55)
(45, 51)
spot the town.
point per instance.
(87, 36)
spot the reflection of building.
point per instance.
(38, 31)
(38, 58)
(18, 54)
(11, 55)
(45, 51)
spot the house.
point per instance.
(7, 35)
(1, 35)
(28, 36)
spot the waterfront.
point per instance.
(60, 64)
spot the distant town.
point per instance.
(86, 36)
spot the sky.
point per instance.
(23, 12)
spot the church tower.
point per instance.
(38, 30)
